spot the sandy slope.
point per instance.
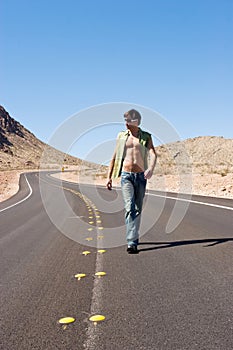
(9, 184)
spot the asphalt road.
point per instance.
(177, 293)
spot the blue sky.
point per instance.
(172, 56)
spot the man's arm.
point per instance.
(110, 170)
(153, 157)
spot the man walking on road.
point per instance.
(130, 161)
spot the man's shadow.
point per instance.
(161, 245)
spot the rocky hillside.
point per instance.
(20, 149)
(201, 155)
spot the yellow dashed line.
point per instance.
(92, 209)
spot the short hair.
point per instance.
(133, 114)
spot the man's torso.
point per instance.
(133, 160)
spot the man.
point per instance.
(130, 162)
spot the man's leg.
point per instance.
(140, 188)
(127, 185)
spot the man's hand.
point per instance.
(109, 184)
(147, 174)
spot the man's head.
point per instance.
(133, 117)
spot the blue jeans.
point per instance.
(133, 191)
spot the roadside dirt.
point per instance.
(214, 185)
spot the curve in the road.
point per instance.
(22, 200)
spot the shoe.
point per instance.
(132, 249)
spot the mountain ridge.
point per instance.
(20, 149)
(206, 162)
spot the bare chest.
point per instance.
(132, 143)
(133, 160)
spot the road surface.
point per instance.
(177, 293)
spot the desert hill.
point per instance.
(200, 155)
(20, 149)
(209, 159)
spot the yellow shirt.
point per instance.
(121, 141)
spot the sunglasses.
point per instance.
(129, 120)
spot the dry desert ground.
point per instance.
(214, 185)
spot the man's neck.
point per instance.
(133, 130)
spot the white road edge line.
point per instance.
(192, 201)
(22, 200)
(118, 188)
